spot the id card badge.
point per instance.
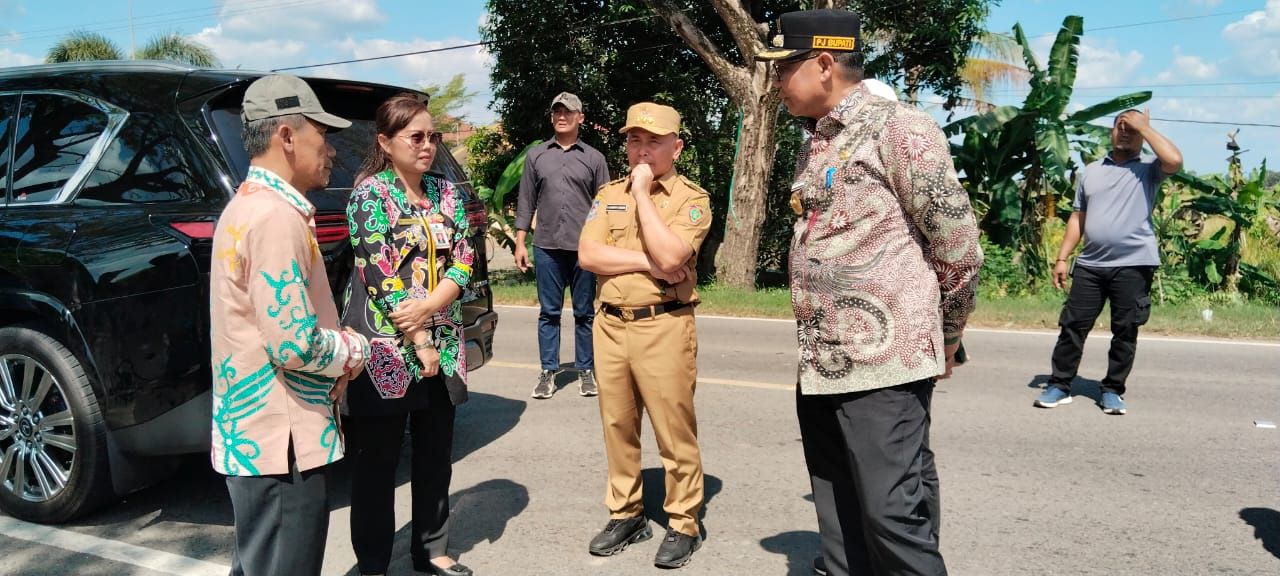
(440, 234)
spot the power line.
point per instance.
(1168, 20)
(458, 47)
(370, 59)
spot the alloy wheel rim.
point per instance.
(37, 430)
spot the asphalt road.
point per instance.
(1183, 484)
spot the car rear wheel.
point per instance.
(53, 450)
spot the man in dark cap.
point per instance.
(884, 268)
(561, 176)
(280, 359)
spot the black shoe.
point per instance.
(455, 570)
(618, 534)
(819, 566)
(676, 549)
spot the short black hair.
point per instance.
(851, 62)
(1121, 115)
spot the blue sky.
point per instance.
(1234, 44)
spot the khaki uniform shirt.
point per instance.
(277, 347)
(686, 210)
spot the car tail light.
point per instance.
(199, 230)
(331, 228)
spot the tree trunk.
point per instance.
(736, 261)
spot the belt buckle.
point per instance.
(627, 314)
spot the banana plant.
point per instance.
(1215, 260)
(1017, 158)
(500, 227)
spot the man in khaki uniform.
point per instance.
(641, 238)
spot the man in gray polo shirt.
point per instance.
(1113, 204)
(560, 180)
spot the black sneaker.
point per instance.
(819, 566)
(587, 383)
(676, 549)
(546, 387)
(618, 534)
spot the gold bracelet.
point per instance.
(428, 344)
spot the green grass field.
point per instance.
(1040, 312)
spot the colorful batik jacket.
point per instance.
(393, 240)
(277, 346)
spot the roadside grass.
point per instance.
(1250, 320)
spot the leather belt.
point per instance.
(643, 312)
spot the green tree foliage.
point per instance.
(614, 54)
(175, 47)
(87, 46)
(80, 46)
(447, 100)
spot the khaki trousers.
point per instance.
(650, 364)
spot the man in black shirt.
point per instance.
(560, 180)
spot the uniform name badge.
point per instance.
(440, 235)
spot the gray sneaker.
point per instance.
(587, 383)
(546, 387)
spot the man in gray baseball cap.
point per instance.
(282, 95)
(273, 438)
(561, 177)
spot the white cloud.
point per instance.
(1191, 108)
(1100, 64)
(263, 54)
(433, 68)
(10, 58)
(1260, 109)
(1257, 39)
(246, 20)
(1186, 67)
(12, 9)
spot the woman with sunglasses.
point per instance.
(413, 258)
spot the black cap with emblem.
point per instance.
(800, 32)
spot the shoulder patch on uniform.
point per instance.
(697, 213)
(595, 209)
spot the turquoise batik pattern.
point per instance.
(321, 345)
(274, 182)
(235, 400)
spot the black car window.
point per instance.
(145, 163)
(7, 105)
(54, 136)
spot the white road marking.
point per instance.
(1171, 339)
(701, 380)
(148, 558)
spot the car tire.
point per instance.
(54, 463)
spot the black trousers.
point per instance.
(1128, 289)
(875, 485)
(373, 447)
(281, 521)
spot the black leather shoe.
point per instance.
(455, 570)
(676, 549)
(819, 566)
(618, 534)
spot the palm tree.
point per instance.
(82, 45)
(994, 61)
(174, 47)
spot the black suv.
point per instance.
(112, 176)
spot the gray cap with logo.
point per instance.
(567, 100)
(282, 95)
